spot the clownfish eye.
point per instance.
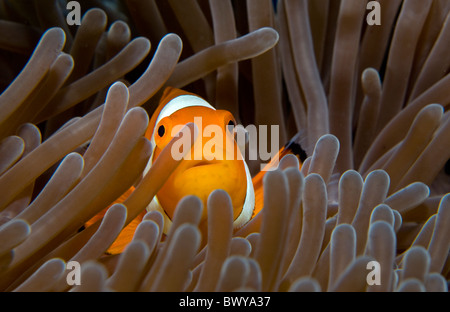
(161, 131)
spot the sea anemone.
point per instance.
(368, 102)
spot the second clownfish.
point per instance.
(202, 172)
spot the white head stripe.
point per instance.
(181, 102)
(174, 105)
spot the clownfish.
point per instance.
(202, 172)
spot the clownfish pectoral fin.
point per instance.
(126, 235)
(100, 215)
(294, 147)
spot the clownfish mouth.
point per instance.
(202, 163)
(204, 167)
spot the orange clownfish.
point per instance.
(207, 169)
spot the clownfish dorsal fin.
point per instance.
(294, 146)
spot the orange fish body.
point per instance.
(214, 162)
